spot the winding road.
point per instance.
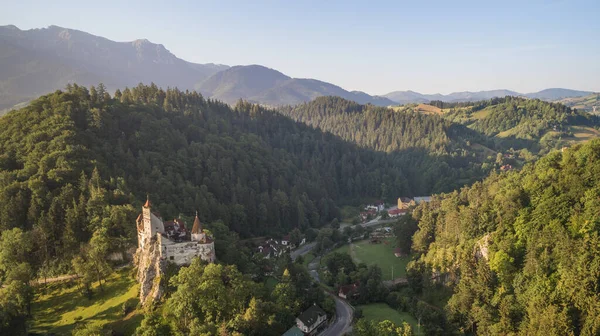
(343, 311)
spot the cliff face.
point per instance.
(150, 268)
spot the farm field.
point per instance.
(381, 254)
(61, 307)
(381, 311)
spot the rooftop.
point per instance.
(293, 331)
(311, 315)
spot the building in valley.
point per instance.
(405, 202)
(312, 320)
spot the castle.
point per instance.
(173, 243)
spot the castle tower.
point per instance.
(150, 224)
(197, 231)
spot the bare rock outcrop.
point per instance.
(150, 269)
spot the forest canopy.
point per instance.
(520, 249)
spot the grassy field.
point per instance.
(381, 311)
(377, 254)
(583, 133)
(428, 109)
(59, 307)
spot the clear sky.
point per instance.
(372, 46)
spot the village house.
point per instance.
(377, 206)
(273, 248)
(176, 245)
(506, 167)
(398, 252)
(396, 212)
(348, 291)
(405, 202)
(312, 320)
(421, 199)
(293, 331)
(366, 214)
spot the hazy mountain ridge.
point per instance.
(257, 83)
(552, 94)
(37, 61)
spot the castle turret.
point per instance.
(150, 224)
(197, 231)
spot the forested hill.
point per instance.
(521, 250)
(526, 119)
(383, 129)
(78, 160)
(454, 153)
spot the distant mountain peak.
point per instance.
(45, 59)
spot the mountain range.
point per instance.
(38, 61)
(260, 84)
(553, 94)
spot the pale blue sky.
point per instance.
(372, 46)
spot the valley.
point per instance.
(299, 169)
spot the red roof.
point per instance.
(347, 289)
(147, 204)
(139, 218)
(397, 250)
(396, 211)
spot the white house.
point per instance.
(311, 320)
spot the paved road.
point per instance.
(302, 250)
(343, 319)
(343, 311)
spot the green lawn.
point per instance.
(59, 307)
(381, 311)
(379, 254)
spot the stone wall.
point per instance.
(183, 253)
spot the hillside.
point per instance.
(523, 122)
(520, 251)
(461, 152)
(38, 61)
(76, 160)
(267, 86)
(408, 97)
(585, 103)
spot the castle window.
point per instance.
(171, 258)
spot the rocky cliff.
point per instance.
(150, 269)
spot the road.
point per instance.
(343, 318)
(343, 311)
(302, 250)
